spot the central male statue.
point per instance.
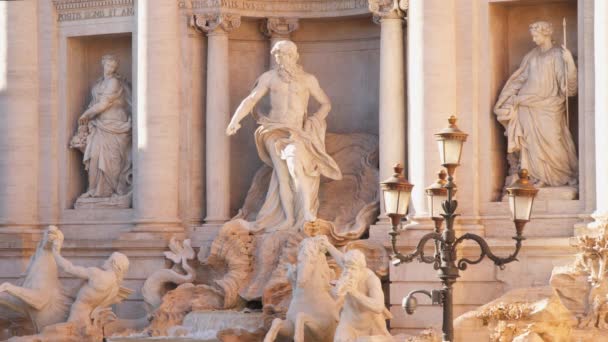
(290, 141)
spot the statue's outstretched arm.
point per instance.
(259, 90)
(320, 96)
(335, 253)
(68, 267)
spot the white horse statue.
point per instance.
(313, 313)
(40, 298)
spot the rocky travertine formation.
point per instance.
(573, 308)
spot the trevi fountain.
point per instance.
(214, 170)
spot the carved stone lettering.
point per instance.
(69, 10)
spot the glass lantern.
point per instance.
(521, 197)
(396, 193)
(450, 141)
(436, 194)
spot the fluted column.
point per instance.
(278, 29)
(601, 113)
(19, 114)
(156, 152)
(392, 86)
(217, 146)
(432, 91)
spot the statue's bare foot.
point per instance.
(87, 194)
(309, 217)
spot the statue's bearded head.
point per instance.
(354, 269)
(117, 262)
(285, 53)
(541, 32)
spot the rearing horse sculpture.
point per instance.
(313, 313)
(40, 297)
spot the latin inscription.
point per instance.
(282, 6)
(96, 14)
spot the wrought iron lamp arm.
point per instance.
(418, 252)
(486, 251)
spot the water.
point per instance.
(203, 326)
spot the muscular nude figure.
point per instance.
(289, 140)
(363, 314)
(103, 286)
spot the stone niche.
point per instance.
(558, 210)
(344, 55)
(83, 69)
(510, 41)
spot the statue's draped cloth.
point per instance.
(108, 149)
(309, 145)
(535, 120)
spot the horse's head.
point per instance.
(312, 267)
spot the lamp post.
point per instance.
(396, 189)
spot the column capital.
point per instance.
(279, 27)
(388, 9)
(215, 23)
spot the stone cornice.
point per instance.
(278, 8)
(72, 10)
(215, 23)
(281, 27)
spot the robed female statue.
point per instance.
(532, 108)
(104, 136)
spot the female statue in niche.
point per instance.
(104, 136)
(532, 108)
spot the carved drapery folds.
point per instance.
(209, 23)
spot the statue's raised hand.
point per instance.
(83, 119)
(232, 128)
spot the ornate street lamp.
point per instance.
(396, 192)
(395, 189)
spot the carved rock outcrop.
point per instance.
(574, 308)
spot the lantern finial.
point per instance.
(452, 120)
(442, 175)
(398, 169)
(523, 175)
